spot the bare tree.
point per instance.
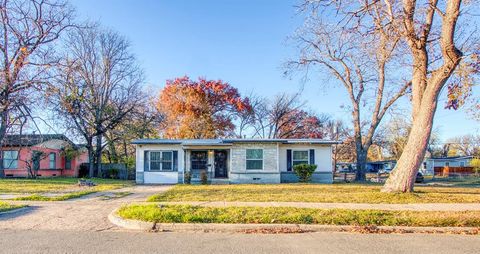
(246, 118)
(436, 42)
(466, 145)
(280, 114)
(338, 131)
(396, 132)
(99, 87)
(429, 28)
(360, 59)
(284, 117)
(143, 122)
(28, 31)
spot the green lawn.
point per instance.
(323, 193)
(288, 215)
(67, 188)
(4, 206)
(470, 181)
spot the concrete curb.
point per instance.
(16, 210)
(130, 224)
(277, 228)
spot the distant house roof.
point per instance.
(32, 139)
(226, 142)
(452, 158)
(382, 162)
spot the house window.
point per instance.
(300, 157)
(10, 159)
(52, 160)
(447, 164)
(254, 159)
(68, 163)
(199, 160)
(161, 161)
(462, 164)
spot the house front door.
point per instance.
(220, 163)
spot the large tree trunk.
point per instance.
(361, 165)
(426, 86)
(361, 149)
(403, 176)
(98, 156)
(90, 157)
(3, 132)
(113, 155)
(90, 162)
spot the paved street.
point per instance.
(81, 226)
(40, 241)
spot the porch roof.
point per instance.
(227, 142)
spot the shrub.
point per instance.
(204, 177)
(304, 172)
(475, 163)
(187, 177)
(113, 173)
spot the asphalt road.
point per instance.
(39, 241)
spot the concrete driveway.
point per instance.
(89, 213)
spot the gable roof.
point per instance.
(217, 142)
(32, 139)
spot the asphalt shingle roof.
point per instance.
(31, 139)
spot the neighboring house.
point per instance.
(344, 167)
(47, 155)
(447, 165)
(163, 161)
(381, 166)
(370, 167)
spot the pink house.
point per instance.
(47, 155)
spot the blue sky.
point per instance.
(239, 41)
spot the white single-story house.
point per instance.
(164, 161)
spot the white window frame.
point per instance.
(300, 150)
(11, 160)
(246, 159)
(160, 161)
(191, 159)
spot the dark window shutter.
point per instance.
(289, 160)
(175, 160)
(146, 160)
(312, 156)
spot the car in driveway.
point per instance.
(419, 178)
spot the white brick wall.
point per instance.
(270, 156)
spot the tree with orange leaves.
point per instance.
(200, 109)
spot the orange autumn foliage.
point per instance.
(200, 109)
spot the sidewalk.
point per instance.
(359, 206)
